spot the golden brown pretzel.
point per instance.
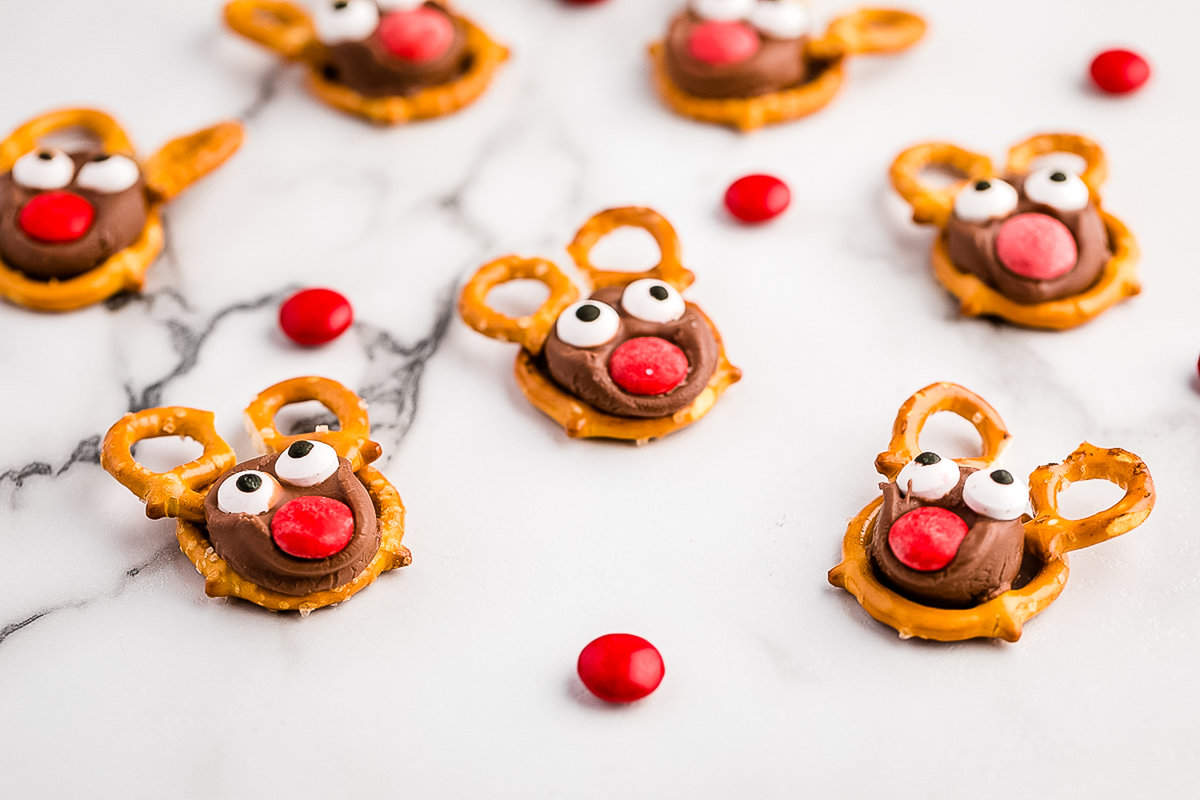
(669, 268)
(916, 411)
(531, 330)
(867, 31)
(933, 205)
(178, 492)
(186, 159)
(1095, 173)
(351, 440)
(283, 27)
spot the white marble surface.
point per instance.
(454, 677)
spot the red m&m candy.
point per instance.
(1120, 71)
(620, 667)
(56, 217)
(648, 365)
(313, 527)
(757, 198)
(315, 316)
(927, 538)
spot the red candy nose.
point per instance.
(312, 527)
(927, 538)
(56, 217)
(720, 43)
(648, 365)
(419, 35)
(1036, 246)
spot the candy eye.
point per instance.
(44, 169)
(652, 300)
(781, 19)
(247, 492)
(723, 10)
(340, 21)
(928, 476)
(307, 463)
(996, 494)
(401, 5)
(108, 174)
(588, 323)
(1058, 189)
(984, 200)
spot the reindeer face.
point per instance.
(633, 351)
(1034, 236)
(64, 213)
(390, 47)
(296, 522)
(738, 48)
(949, 535)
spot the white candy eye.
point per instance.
(108, 174)
(588, 323)
(781, 19)
(307, 463)
(44, 169)
(340, 21)
(995, 493)
(982, 200)
(928, 476)
(247, 492)
(1058, 189)
(401, 5)
(723, 10)
(652, 300)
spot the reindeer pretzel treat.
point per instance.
(306, 525)
(389, 61)
(1030, 245)
(632, 361)
(80, 225)
(750, 63)
(949, 552)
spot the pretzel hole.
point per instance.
(1085, 498)
(950, 436)
(164, 453)
(74, 138)
(518, 298)
(626, 250)
(940, 176)
(306, 416)
(1067, 162)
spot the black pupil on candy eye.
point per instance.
(1058, 177)
(982, 186)
(927, 458)
(100, 157)
(300, 449)
(340, 4)
(1002, 476)
(46, 156)
(249, 483)
(588, 313)
(659, 292)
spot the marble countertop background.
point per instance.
(455, 677)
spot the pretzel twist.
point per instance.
(531, 330)
(1061, 535)
(868, 31)
(186, 159)
(933, 205)
(283, 27)
(669, 268)
(1022, 156)
(109, 134)
(178, 492)
(916, 411)
(351, 441)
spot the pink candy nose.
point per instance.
(719, 43)
(420, 35)
(1036, 246)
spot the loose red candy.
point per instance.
(313, 527)
(757, 198)
(315, 316)
(419, 35)
(56, 217)
(648, 365)
(927, 538)
(717, 43)
(1036, 246)
(1120, 71)
(620, 667)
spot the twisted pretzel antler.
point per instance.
(1061, 535)
(351, 441)
(933, 205)
(669, 268)
(283, 27)
(866, 31)
(1021, 156)
(177, 492)
(186, 159)
(916, 411)
(531, 330)
(110, 135)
